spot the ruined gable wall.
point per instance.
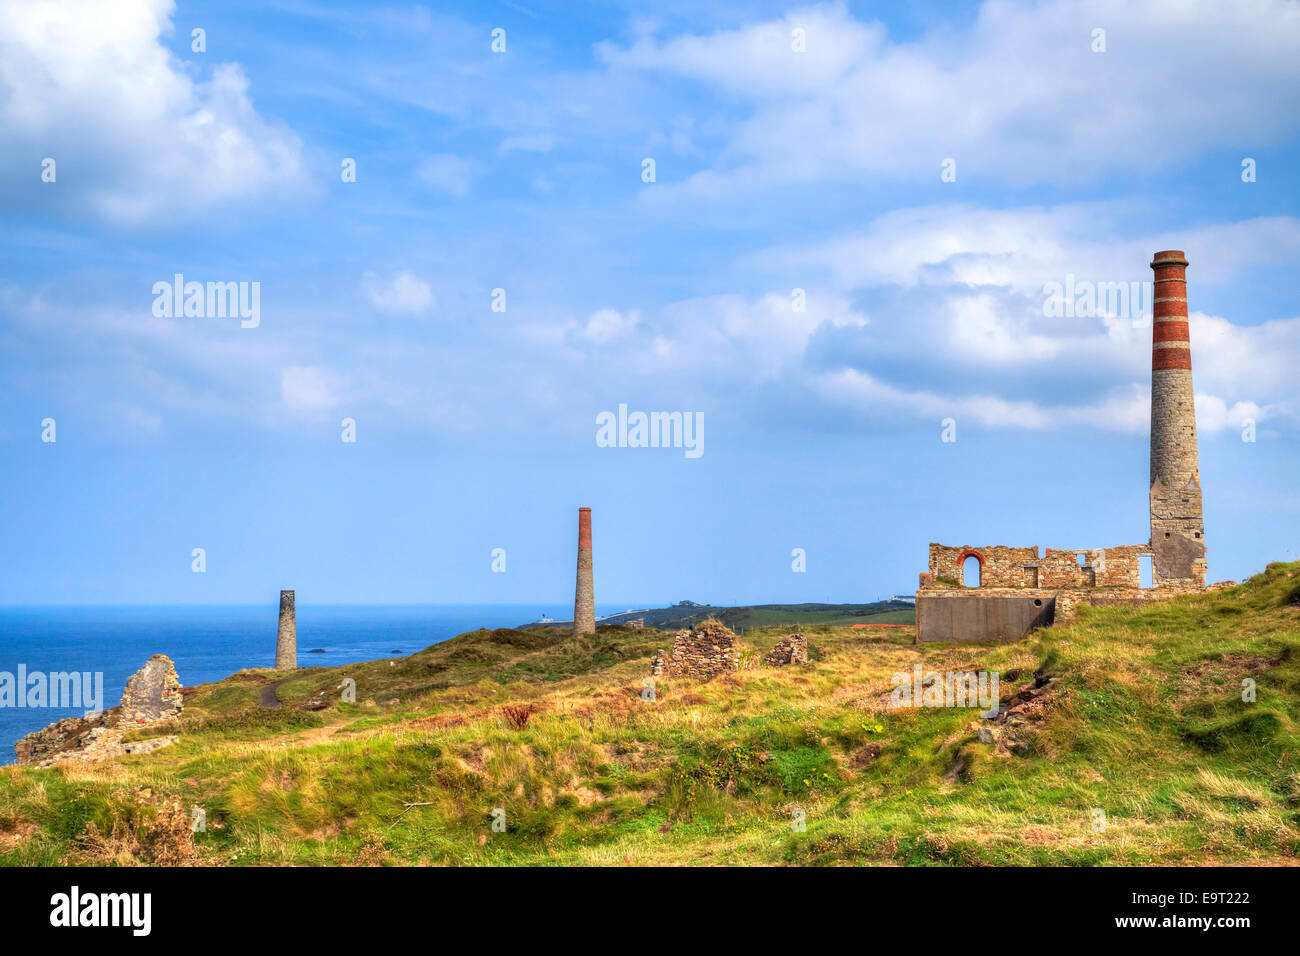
(1000, 567)
(1007, 567)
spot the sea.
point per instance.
(208, 643)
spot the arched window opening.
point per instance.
(970, 571)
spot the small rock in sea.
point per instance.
(395, 650)
(317, 650)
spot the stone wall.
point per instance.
(703, 652)
(1063, 578)
(788, 650)
(152, 695)
(1005, 567)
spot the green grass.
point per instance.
(1148, 726)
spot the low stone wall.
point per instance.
(788, 650)
(703, 652)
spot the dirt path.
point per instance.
(269, 701)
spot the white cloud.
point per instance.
(1213, 413)
(1020, 97)
(608, 325)
(404, 292)
(308, 389)
(89, 85)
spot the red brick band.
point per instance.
(584, 528)
(1171, 332)
(1170, 340)
(1171, 359)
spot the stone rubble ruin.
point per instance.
(152, 696)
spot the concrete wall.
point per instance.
(963, 616)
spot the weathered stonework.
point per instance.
(152, 695)
(584, 595)
(286, 636)
(788, 650)
(703, 652)
(1004, 567)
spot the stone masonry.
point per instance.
(152, 695)
(584, 593)
(705, 651)
(286, 636)
(788, 650)
(1003, 567)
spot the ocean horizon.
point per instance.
(212, 641)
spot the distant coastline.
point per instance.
(741, 617)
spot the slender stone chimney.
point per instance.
(1177, 526)
(286, 638)
(584, 595)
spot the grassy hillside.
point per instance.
(1145, 723)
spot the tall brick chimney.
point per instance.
(1177, 527)
(584, 595)
(286, 638)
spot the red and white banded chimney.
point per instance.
(1177, 525)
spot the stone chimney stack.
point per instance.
(584, 596)
(1177, 527)
(286, 638)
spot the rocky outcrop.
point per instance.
(153, 694)
(1013, 729)
(703, 652)
(788, 650)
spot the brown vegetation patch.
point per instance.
(517, 715)
(1234, 663)
(13, 833)
(865, 756)
(153, 832)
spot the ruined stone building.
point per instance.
(1019, 589)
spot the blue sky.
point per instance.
(776, 169)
